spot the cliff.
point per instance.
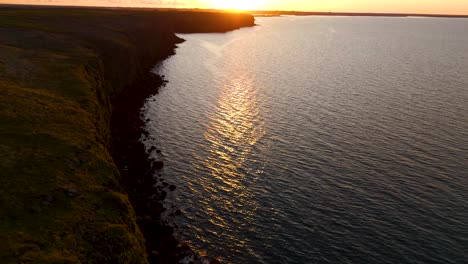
(63, 73)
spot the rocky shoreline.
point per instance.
(143, 184)
(139, 171)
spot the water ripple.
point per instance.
(320, 140)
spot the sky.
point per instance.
(376, 6)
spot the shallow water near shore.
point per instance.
(319, 140)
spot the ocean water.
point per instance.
(319, 140)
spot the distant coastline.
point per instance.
(299, 13)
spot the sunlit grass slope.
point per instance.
(60, 197)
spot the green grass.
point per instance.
(53, 137)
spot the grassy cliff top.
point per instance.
(60, 196)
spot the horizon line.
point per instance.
(253, 12)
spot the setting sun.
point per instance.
(238, 4)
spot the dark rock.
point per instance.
(163, 195)
(158, 165)
(172, 188)
(153, 148)
(178, 212)
(158, 151)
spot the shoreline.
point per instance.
(137, 170)
(144, 185)
(73, 84)
(147, 191)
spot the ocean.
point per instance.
(318, 140)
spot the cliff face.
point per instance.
(62, 197)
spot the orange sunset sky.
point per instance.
(377, 6)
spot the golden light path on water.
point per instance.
(234, 129)
(318, 140)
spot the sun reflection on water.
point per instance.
(235, 128)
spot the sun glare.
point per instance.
(238, 4)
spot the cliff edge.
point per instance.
(63, 198)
